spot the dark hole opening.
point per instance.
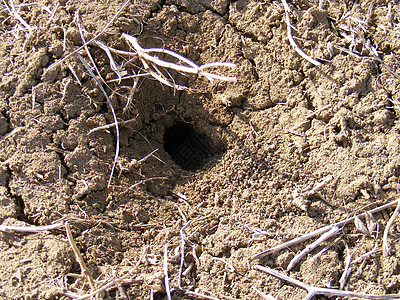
(187, 148)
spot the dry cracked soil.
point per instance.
(208, 176)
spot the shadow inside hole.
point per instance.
(187, 148)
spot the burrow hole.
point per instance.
(188, 149)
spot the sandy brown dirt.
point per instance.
(265, 148)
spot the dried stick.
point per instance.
(134, 77)
(325, 249)
(88, 42)
(79, 258)
(82, 32)
(182, 246)
(99, 290)
(365, 255)
(113, 65)
(313, 291)
(143, 159)
(14, 13)
(125, 110)
(122, 123)
(374, 53)
(165, 267)
(319, 186)
(256, 231)
(361, 26)
(152, 62)
(334, 230)
(33, 229)
(319, 231)
(386, 232)
(308, 117)
(113, 114)
(262, 295)
(347, 269)
(52, 14)
(198, 295)
(144, 181)
(10, 134)
(112, 283)
(291, 40)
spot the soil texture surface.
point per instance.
(207, 176)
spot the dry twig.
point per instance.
(198, 295)
(319, 231)
(91, 40)
(165, 268)
(367, 254)
(291, 40)
(152, 64)
(386, 232)
(113, 114)
(79, 258)
(262, 295)
(347, 269)
(332, 232)
(182, 248)
(313, 291)
(14, 13)
(30, 229)
(121, 123)
(354, 29)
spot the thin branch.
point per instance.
(31, 229)
(319, 231)
(198, 295)
(165, 268)
(347, 269)
(143, 181)
(113, 65)
(149, 60)
(325, 249)
(91, 40)
(291, 40)
(314, 291)
(334, 231)
(78, 255)
(365, 255)
(262, 295)
(121, 123)
(113, 114)
(103, 288)
(386, 232)
(14, 13)
(182, 246)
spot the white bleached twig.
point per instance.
(291, 40)
(14, 13)
(313, 291)
(113, 114)
(89, 41)
(30, 229)
(347, 269)
(152, 63)
(334, 230)
(165, 268)
(386, 232)
(319, 231)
